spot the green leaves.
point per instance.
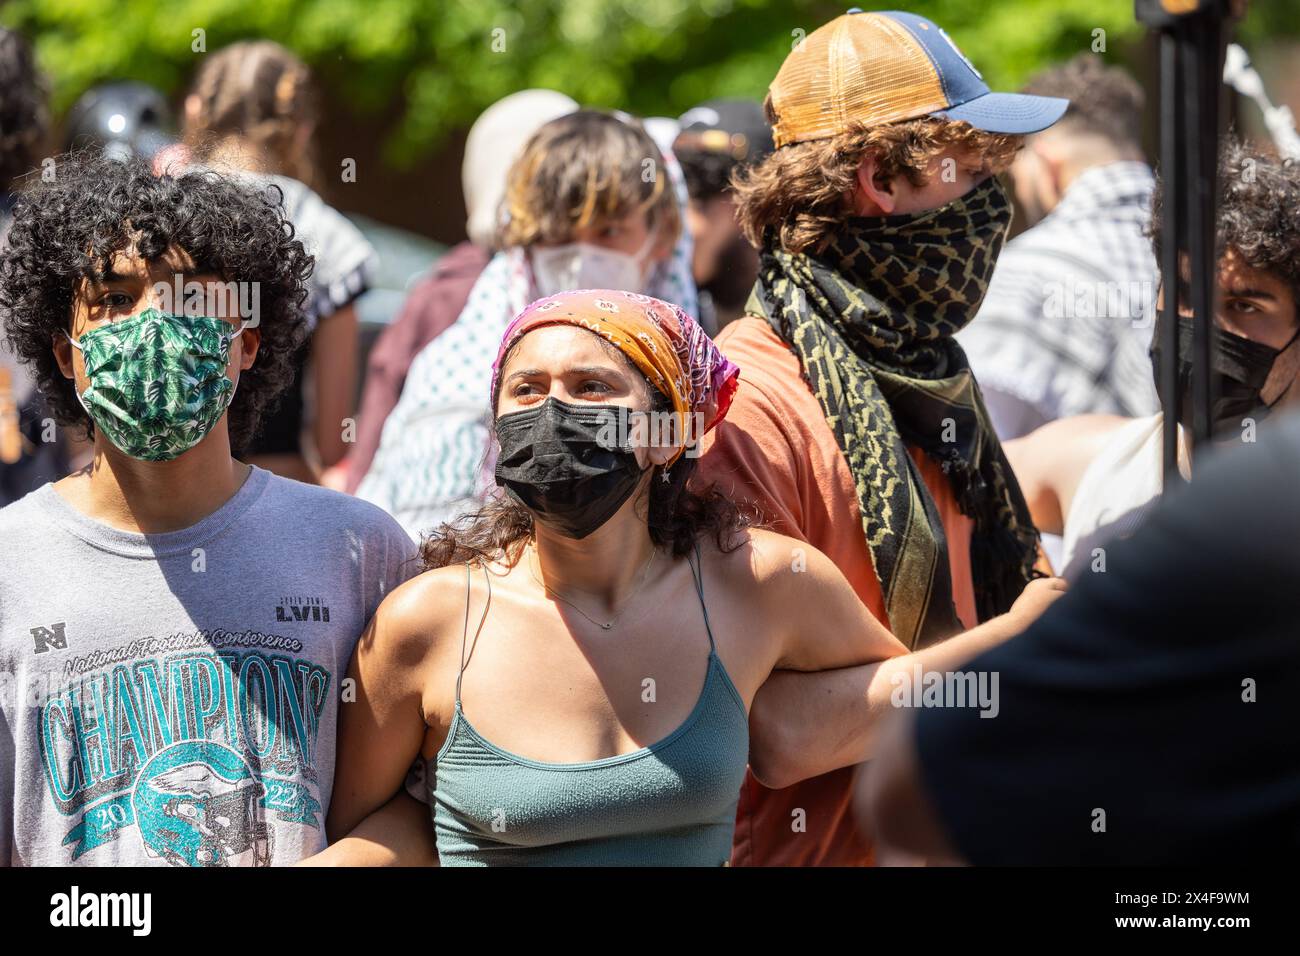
(446, 60)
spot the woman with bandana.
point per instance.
(580, 666)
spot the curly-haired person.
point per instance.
(858, 427)
(180, 619)
(1093, 478)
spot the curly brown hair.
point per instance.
(800, 194)
(678, 512)
(1259, 195)
(585, 168)
(67, 230)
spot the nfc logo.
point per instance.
(52, 636)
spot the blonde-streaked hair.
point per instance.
(585, 168)
(801, 193)
(260, 91)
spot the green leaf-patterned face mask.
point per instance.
(157, 381)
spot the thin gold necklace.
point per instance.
(601, 624)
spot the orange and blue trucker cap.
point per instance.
(877, 68)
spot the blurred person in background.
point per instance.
(717, 139)
(436, 301)
(1093, 478)
(252, 107)
(1066, 322)
(858, 426)
(580, 212)
(124, 118)
(24, 118)
(29, 454)
(1147, 719)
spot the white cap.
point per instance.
(494, 143)
(663, 130)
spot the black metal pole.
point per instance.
(1213, 50)
(1171, 172)
(1200, 200)
(1191, 68)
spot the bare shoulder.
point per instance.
(1050, 461)
(759, 562)
(417, 616)
(1071, 436)
(1091, 427)
(1058, 452)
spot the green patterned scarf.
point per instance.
(872, 317)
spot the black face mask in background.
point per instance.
(1238, 366)
(554, 463)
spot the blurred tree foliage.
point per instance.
(437, 63)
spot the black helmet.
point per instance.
(124, 117)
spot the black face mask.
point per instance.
(564, 464)
(1238, 366)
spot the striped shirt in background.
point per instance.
(1067, 320)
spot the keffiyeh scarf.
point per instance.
(871, 316)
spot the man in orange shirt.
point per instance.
(858, 426)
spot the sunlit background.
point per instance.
(400, 81)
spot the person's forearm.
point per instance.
(397, 834)
(807, 724)
(945, 656)
(334, 356)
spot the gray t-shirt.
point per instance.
(173, 698)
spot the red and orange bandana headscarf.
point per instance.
(667, 345)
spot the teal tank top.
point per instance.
(670, 804)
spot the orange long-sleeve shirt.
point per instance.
(776, 450)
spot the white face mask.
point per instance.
(580, 265)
